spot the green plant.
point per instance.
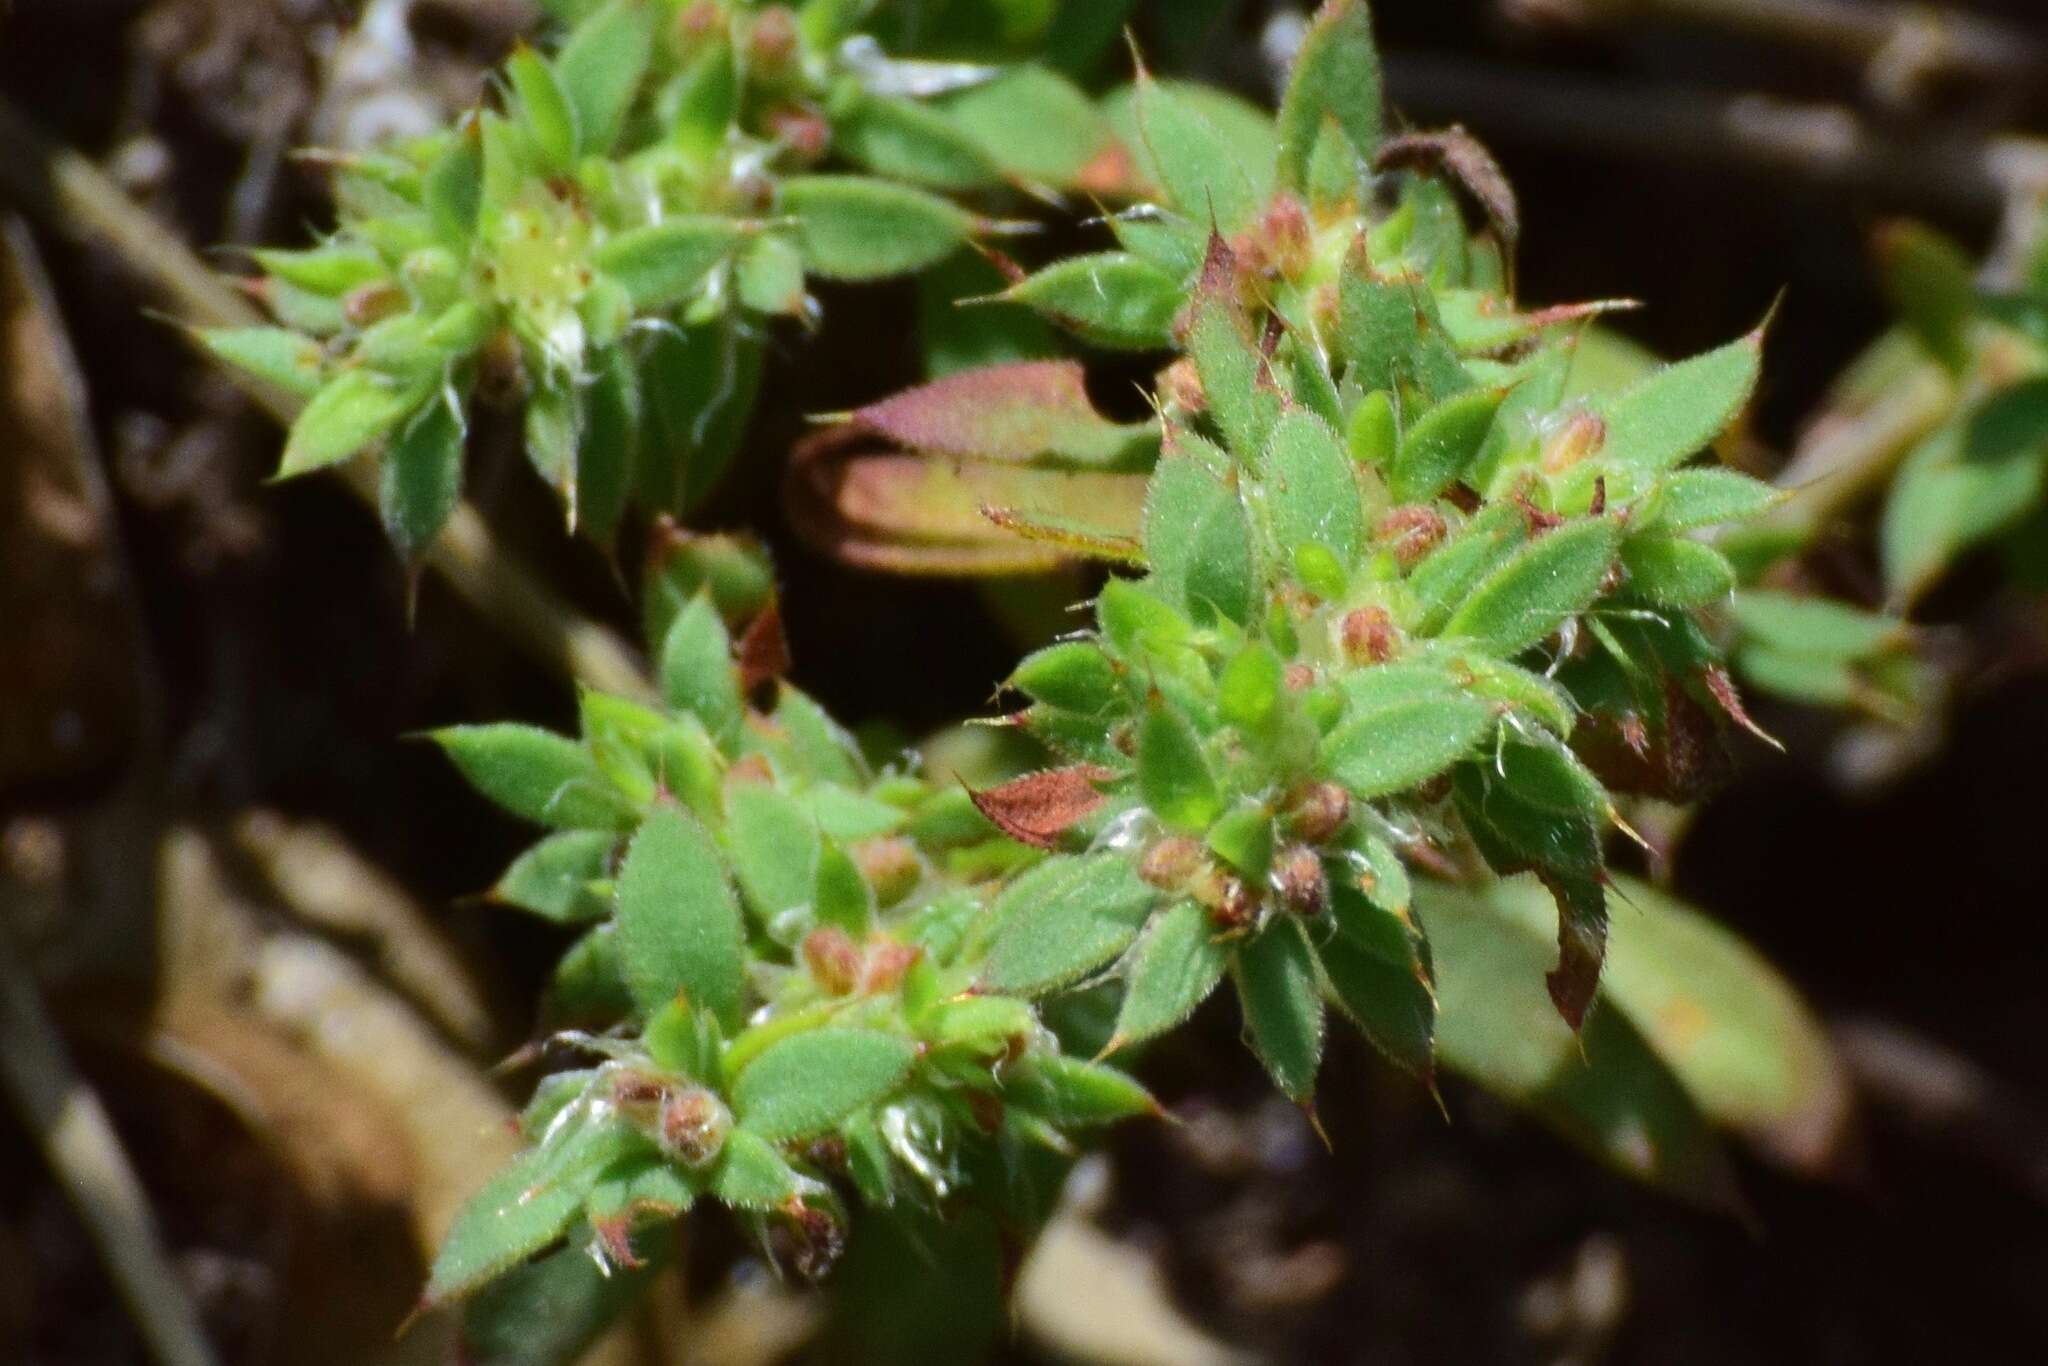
(1417, 610)
(604, 250)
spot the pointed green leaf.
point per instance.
(1172, 969)
(774, 848)
(544, 110)
(1689, 499)
(662, 265)
(1548, 580)
(841, 896)
(1111, 299)
(1815, 626)
(1442, 444)
(1042, 129)
(1378, 969)
(537, 775)
(1198, 542)
(853, 228)
(903, 140)
(1276, 986)
(1242, 402)
(1672, 571)
(1390, 748)
(1068, 1093)
(698, 675)
(274, 355)
(452, 189)
(1075, 675)
(601, 68)
(1312, 495)
(1336, 79)
(1679, 410)
(421, 478)
(678, 920)
(1174, 777)
(1199, 167)
(524, 1208)
(608, 446)
(808, 1082)
(552, 879)
(1063, 919)
(353, 411)
(751, 1174)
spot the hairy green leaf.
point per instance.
(1552, 578)
(1063, 919)
(679, 922)
(808, 1082)
(1172, 969)
(1276, 987)
(536, 775)
(1336, 80)
(1679, 410)
(853, 228)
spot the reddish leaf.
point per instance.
(1457, 151)
(1016, 412)
(1038, 808)
(913, 514)
(763, 649)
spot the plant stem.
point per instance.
(76, 197)
(79, 1143)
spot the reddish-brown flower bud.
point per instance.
(1582, 435)
(694, 1124)
(888, 961)
(1411, 532)
(1232, 905)
(1320, 812)
(1290, 248)
(1368, 635)
(1299, 677)
(696, 24)
(1299, 881)
(773, 42)
(371, 303)
(833, 958)
(803, 130)
(1180, 384)
(805, 1240)
(1170, 863)
(891, 867)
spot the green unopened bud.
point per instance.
(433, 275)
(1371, 435)
(606, 309)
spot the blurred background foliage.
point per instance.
(236, 905)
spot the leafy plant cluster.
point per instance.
(1415, 604)
(603, 249)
